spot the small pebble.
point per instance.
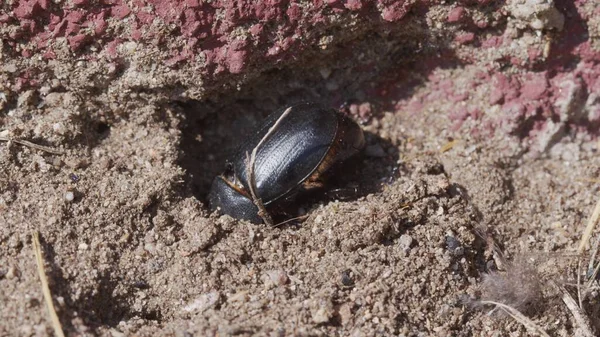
(277, 277)
(454, 246)
(58, 128)
(346, 278)
(203, 302)
(69, 196)
(405, 242)
(12, 273)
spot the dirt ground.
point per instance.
(442, 210)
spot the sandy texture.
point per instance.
(480, 170)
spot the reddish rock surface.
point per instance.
(476, 113)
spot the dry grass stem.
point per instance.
(250, 161)
(580, 317)
(32, 145)
(588, 233)
(579, 283)
(519, 317)
(448, 146)
(592, 278)
(58, 331)
(302, 217)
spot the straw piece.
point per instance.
(250, 160)
(58, 331)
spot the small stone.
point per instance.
(83, 246)
(58, 128)
(364, 111)
(456, 14)
(69, 196)
(322, 312)
(276, 278)
(12, 273)
(57, 162)
(405, 241)
(26, 99)
(346, 278)
(203, 302)
(454, 246)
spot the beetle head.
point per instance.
(232, 201)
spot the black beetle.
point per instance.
(307, 142)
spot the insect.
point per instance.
(291, 157)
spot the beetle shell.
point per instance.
(307, 142)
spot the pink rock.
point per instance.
(75, 16)
(456, 14)
(100, 24)
(136, 34)
(496, 96)
(482, 24)
(294, 13)
(120, 11)
(4, 18)
(42, 39)
(354, 5)
(476, 114)
(77, 41)
(364, 110)
(235, 61)
(465, 38)
(394, 11)
(535, 87)
(111, 48)
(460, 114)
(534, 53)
(72, 28)
(191, 3)
(256, 29)
(414, 107)
(492, 42)
(29, 25)
(49, 55)
(459, 97)
(27, 9)
(169, 11)
(145, 17)
(59, 29)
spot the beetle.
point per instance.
(305, 144)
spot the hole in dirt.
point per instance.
(213, 135)
(102, 128)
(373, 74)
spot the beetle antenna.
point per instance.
(250, 159)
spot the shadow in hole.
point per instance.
(99, 306)
(205, 157)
